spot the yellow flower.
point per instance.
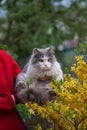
(71, 106)
(31, 112)
(38, 127)
(78, 58)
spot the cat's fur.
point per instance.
(41, 67)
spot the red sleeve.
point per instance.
(9, 71)
(15, 68)
(6, 102)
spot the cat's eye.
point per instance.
(41, 60)
(49, 59)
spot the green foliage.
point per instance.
(31, 24)
(37, 23)
(82, 49)
(56, 82)
(24, 113)
(3, 47)
(29, 82)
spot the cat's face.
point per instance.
(45, 63)
(43, 58)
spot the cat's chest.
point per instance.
(44, 79)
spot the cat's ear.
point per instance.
(51, 50)
(36, 51)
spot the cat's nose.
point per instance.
(45, 65)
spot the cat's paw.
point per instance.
(52, 95)
(22, 95)
(22, 84)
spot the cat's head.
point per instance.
(43, 59)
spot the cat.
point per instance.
(41, 67)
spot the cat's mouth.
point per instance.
(46, 68)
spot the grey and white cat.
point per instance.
(41, 67)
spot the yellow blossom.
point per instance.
(38, 127)
(31, 112)
(70, 108)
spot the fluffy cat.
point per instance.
(41, 67)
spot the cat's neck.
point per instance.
(45, 78)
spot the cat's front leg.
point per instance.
(21, 88)
(21, 91)
(21, 82)
(20, 78)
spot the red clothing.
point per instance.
(9, 118)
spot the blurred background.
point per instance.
(28, 24)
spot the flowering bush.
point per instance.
(69, 110)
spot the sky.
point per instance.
(3, 1)
(66, 3)
(3, 13)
